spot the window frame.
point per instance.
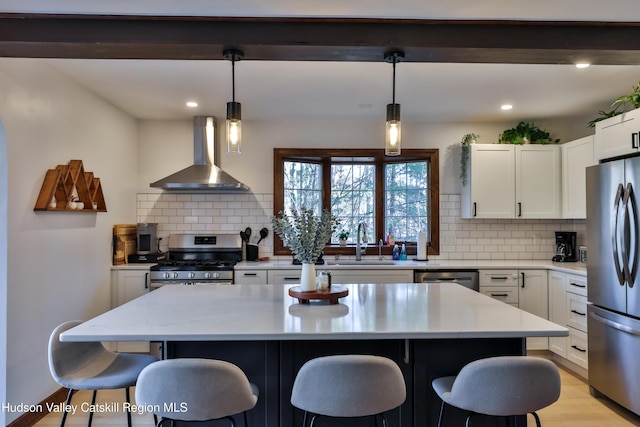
(323, 157)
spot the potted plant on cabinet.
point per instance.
(632, 99)
(470, 138)
(525, 133)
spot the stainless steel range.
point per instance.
(198, 259)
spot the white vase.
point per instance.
(308, 277)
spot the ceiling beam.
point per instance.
(318, 39)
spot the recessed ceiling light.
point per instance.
(582, 65)
(506, 107)
(192, 104)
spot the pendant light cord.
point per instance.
(233, 79)
(395, 58)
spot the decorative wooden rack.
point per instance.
(61, 183)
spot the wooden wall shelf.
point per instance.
(64, 182)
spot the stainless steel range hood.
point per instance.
(205, 174)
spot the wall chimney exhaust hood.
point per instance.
(205, 174)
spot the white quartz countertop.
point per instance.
(267, 312)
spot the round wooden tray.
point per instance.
(332, 294)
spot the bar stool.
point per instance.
(90, 366)
(193, 389)
(348, 386)
(501, 386)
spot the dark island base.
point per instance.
(272, 366)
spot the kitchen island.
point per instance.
(428, 329)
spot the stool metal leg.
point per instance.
(244, 416)
(537, 419)
(441, 416)
(127, 395)
(93, 403)
(466, 424)
(64, 412)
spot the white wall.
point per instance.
(167, 146)
(58, 263)
(3, 268)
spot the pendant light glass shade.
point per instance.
(234, 110)
(393, 131)
(234, 127)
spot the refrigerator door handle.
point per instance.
(615, 232)
(615, 325)
(626, 251)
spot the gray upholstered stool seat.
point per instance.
(90, 366)
(202, 390)
(348, 386)
(501, 386)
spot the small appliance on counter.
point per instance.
(566, 249)
(146, 243)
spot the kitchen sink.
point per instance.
(364, 262)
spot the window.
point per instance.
(388, 194)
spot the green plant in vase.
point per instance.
(306, 234)
(470, 138)
(342, 237)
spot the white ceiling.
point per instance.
(154, 89)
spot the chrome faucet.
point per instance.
(380, 243)
(359, 251)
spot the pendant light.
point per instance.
(393, 138)
(234, 111)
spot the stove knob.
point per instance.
(192, 275)
(175, 275)
(165, 275)
(207, 275)
(216, 275)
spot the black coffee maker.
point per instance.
(566, 249)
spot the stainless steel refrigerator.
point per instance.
(613, 285)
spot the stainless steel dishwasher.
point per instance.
(466, 278)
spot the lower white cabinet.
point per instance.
(568, 307)
(126, 285)
(250, 277)
(533, 297)
(526, 289)
(371, 276)
(558, 310)
(343, 276)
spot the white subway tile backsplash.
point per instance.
(473, 239)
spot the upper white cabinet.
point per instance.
(618, 135)
(538, 181)
(512, 181)
(491, 188)
(576, 157)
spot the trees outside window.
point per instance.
(397, 195)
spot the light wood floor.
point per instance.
(575, 408)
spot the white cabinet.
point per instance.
(568, 307)
(526, 289)
(126, 285)
(490, 189)
(500, 284)
(371, 276)
(286, 277)
(343, 276)
(250, 277)
(533, 297)
(576, 157)
(577, 350)
(558, 310)
(618, 135)
(538, 181)
(509, 181)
